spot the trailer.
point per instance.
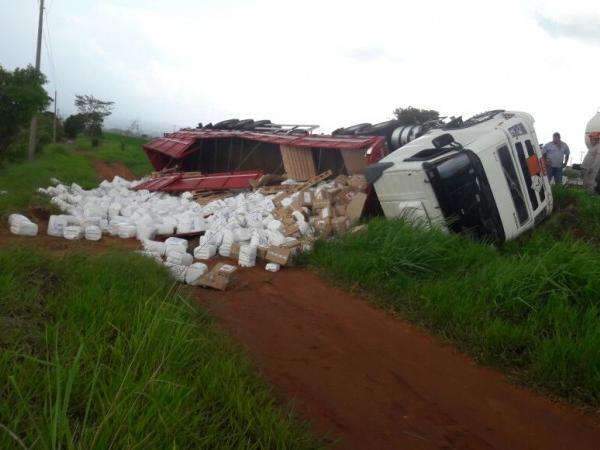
(208, 159)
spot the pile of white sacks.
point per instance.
(114, 208)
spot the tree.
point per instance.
(415, 116)
(74, 124)
(94, 111)
(21, 96)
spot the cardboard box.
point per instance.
(219, 277)
(291, 244)
(291, 229)
(261, 251)
(345, 195)
(306, 198)
(342, 180)
(340, 225)
(279, 255)
(322, 194)
(277, 199)
(323, 227)
(235, 251)
(282, 212)
(326, 213)
(355, 207)
(358, 182)
(321, 204)
(340, 209)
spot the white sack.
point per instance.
(93, 233)
(177, 271)
(56, 224)
(127, 231)
(247, 256)
(194, 273)
(205, 251)
(72, 232)
(272, 267)
(180, 259)
(156, 247)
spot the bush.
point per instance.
(74, 124)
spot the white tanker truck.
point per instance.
(591, 162)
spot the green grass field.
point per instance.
(68, 163)
(531, 307)
(21, 180)
(104, 352)
(118, 148)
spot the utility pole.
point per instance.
(38, 55)
(55, 120)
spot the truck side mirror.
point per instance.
(442, 140)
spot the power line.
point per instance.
(49, 50)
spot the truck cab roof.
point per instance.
(467, 133)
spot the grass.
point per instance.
(531, 307)
(118, 148)
(20, 181)
(103, 352)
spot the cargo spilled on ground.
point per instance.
(96, 347)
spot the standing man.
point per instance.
(556, 153)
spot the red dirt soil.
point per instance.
(59, 245)
(372, 381)
(108, 171)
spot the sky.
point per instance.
(174, 63)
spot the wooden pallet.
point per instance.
(268, 190)
(205, 197)
(286, 189)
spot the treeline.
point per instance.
(22, 96)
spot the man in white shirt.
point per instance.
(557, 154)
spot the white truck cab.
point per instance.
(483, 176)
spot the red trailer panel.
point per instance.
(181, 182)
(176, 146)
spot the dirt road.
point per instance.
(375, 382)
(108, 170)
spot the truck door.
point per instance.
(534, 185)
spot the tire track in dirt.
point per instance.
(371, 380)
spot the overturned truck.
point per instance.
(482, 176)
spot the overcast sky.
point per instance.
(335, 63)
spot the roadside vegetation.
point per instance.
(105, 352)
(531, 307)
(119, 148)
(20, 181)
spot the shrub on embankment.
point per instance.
(531, 306)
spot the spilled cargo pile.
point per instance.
(270, 223)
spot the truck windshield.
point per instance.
(464, 195)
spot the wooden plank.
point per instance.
(298, 162)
